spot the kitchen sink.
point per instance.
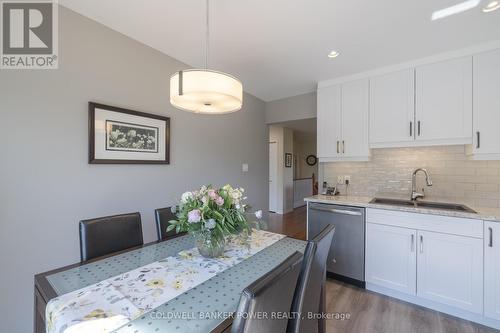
(424, 204)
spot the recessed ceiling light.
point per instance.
(333, 54)
(458, 8)
(493, 5)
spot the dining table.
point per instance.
(205, 303)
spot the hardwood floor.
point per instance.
(291, 224)
(375, 313)
(371, 312)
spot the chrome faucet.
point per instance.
(414, 194)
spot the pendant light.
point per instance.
(205, 90)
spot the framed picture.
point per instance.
(121, 136)
(288, 160)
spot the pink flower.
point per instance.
(219, 201)
(213, 194)
(194, 216)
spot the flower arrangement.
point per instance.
(210, 214)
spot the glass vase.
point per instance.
(210, 245)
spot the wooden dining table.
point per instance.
(208, 307)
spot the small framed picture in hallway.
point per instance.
(288, 160)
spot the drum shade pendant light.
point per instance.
(205, 90)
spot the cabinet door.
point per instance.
(492, 270)
(487, 104)
(444, 102)
(355, 105)
(328, 119)
(391, 257)
(450, 270)
(392, 109)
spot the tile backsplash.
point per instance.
(454, 176)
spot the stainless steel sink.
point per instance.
(393, 202)
(445, 206)
(424, 204)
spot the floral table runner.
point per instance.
(112, 303)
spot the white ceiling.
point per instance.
(278, 48)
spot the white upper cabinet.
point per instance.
(343, 122)
(492, 270)
(486, 144)
(444, 102)
(328, 122)
(392, 109)
(355, 103)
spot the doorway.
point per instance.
(273, 176)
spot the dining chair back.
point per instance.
(163, 216)
(310, 286)
(272, 293)
(105, 235)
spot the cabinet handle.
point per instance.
(338, 151)
(478, 140)
(411, 128)
(421, 244)
(343, 147)
(418, 128)
(412, 243)
(490, 244)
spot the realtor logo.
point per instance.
(29, 34)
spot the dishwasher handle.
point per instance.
(335, 210)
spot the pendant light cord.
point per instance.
(207, 43)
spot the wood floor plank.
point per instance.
(374, 313)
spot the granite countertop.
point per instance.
(483, 213)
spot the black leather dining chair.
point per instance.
(163, 216)
(273, 292)
(105, 235)
(309, 292)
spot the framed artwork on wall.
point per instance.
(122, 136)
(288, 160)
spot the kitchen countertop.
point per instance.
(483, 213)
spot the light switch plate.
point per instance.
(347, 179)
(244, 167)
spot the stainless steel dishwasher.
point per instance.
(346, 260)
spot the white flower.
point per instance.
(186, 196)
(258, 214)
(236, 194)
(210, 224)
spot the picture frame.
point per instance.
(123, 136)
(288, 160)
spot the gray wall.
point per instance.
(45, 181)
(291, 108)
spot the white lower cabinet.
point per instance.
(450, 270)
(390, 257)
(492, 270)
(435, 261)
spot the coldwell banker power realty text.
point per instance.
(29, 34)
